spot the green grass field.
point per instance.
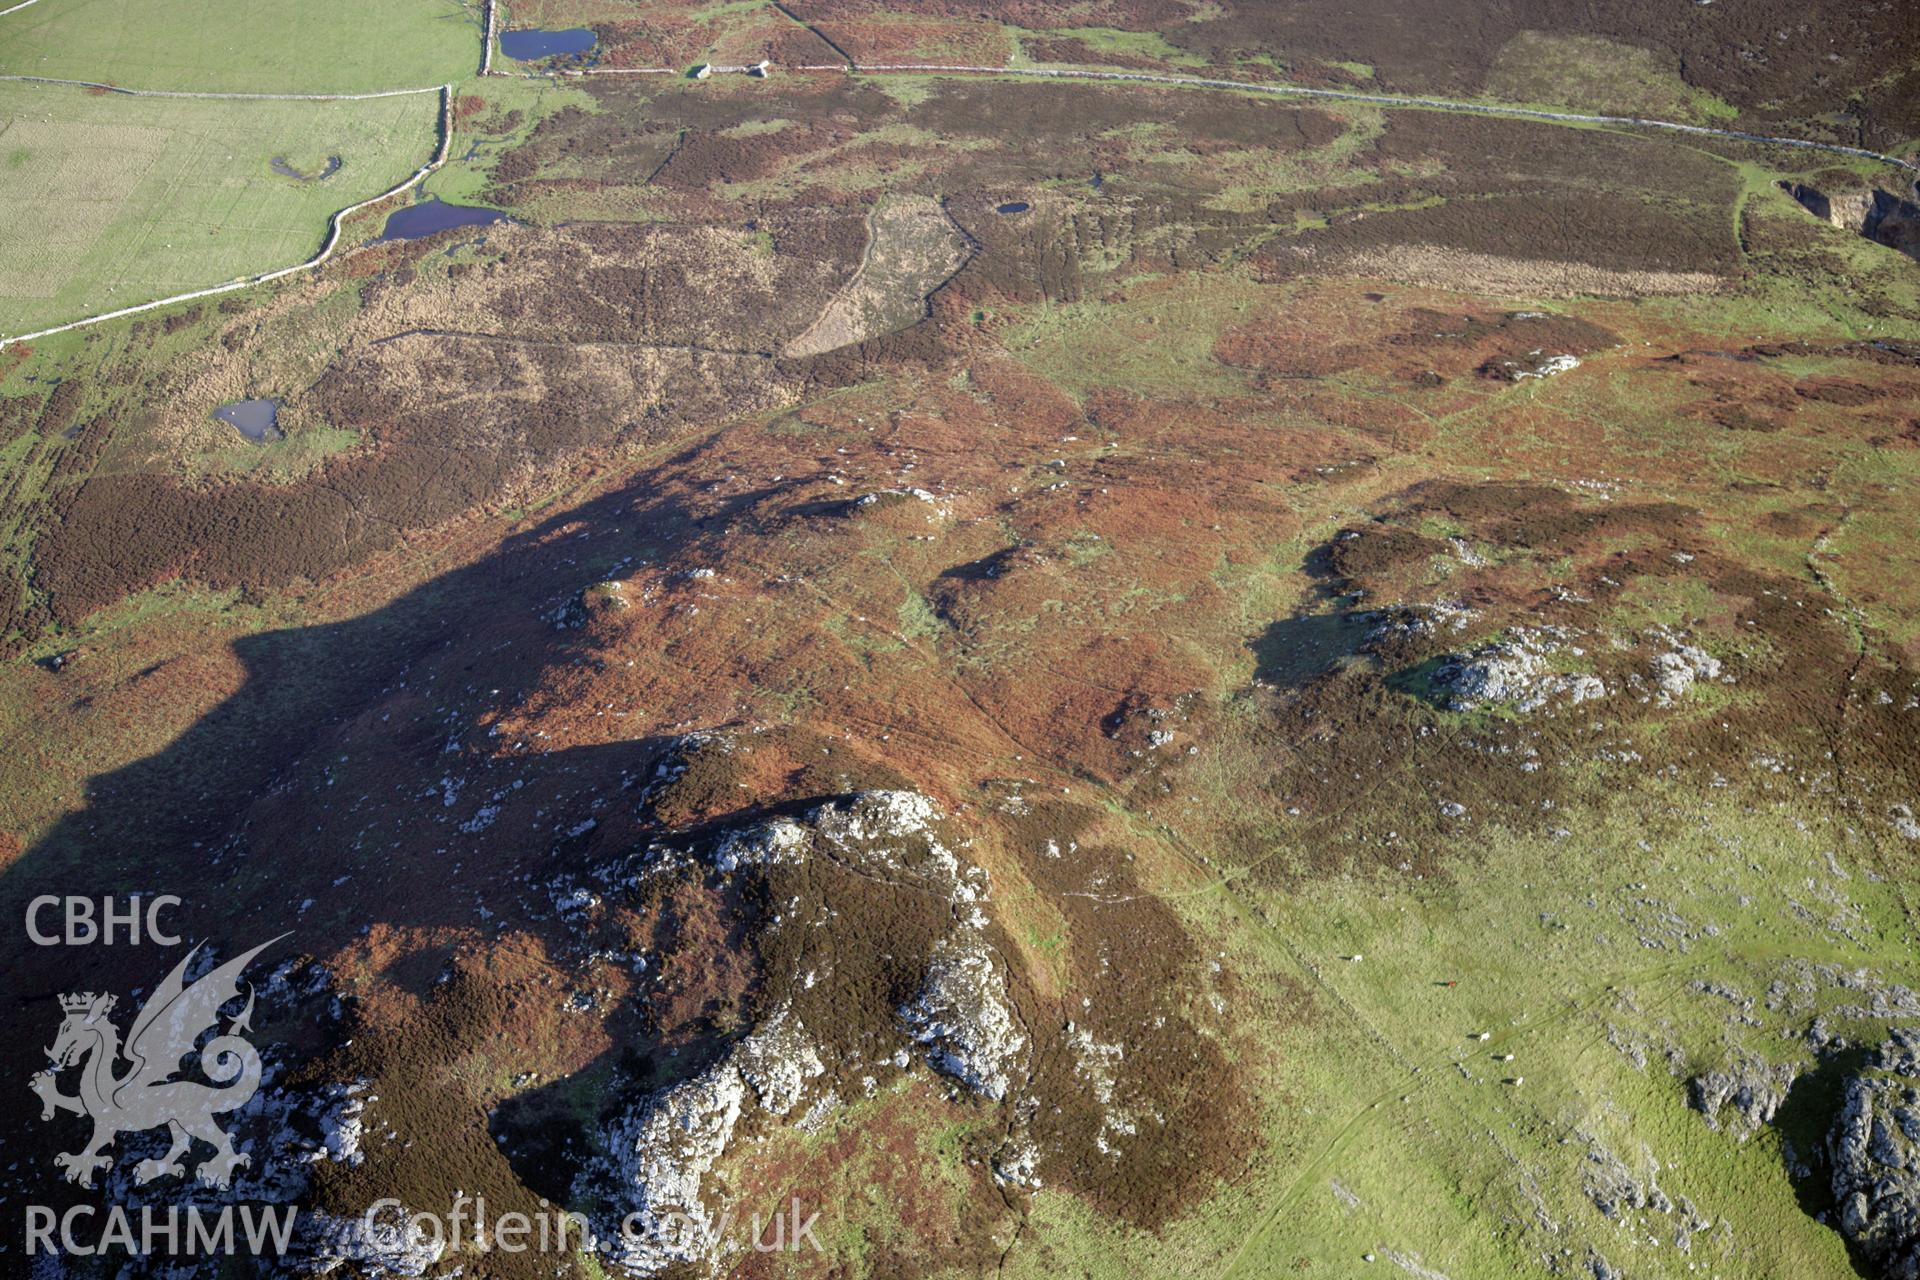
(1396, 1135)
(1566, 950)
(264, 46)
(109, 201)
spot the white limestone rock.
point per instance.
(963, 1019)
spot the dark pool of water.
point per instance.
(1014, 206)
(285, 170)
(530, 46)
(434, 215)
(254, 419)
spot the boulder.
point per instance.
(1873, 1150)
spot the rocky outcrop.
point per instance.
(1526, 669)
(1676, 670)
(778, 1061)
(1534, 364)
(1615, 1188)
(659, 1155)
(1514, 672)
(660, 1172)
(963, 1019)
(1874, 1152)
(1744, 1095)
(590, 601)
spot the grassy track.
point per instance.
(107, 201)
(231, 46)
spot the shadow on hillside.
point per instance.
(1804, 1120)
(176, 822)
(1294, 652)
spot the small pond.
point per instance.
(530, 46)
(254, 419)
(1014, 206)
(433, 215)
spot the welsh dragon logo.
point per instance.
(144, 1095)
